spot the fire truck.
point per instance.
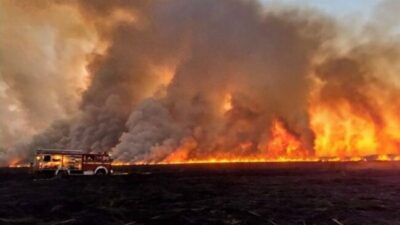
(71, 162)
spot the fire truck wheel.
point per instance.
(101, 172)
(62, 173)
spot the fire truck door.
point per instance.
(73, 162)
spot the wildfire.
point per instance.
(227, 104)
(340, 134)
(19, 165)
(283, 144)
(376, 158)
(339, 137)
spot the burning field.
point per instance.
(222, 111)
(180, 81)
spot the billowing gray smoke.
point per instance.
(216, 48)
(44, 50)
(209, 76)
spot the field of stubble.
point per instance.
(260, 193)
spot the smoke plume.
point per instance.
(181, 80)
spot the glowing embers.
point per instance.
(227, 103)
(370, 158)
(16, 163)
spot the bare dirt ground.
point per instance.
(294, 193)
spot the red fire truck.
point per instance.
(72, 162)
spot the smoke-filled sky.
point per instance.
(179, 80)
(337, 8)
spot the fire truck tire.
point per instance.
(62, 173)
(101, 172)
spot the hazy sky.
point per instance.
(337, 8)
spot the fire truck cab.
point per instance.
(72, 162)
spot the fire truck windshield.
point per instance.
(47, 158)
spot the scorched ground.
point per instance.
(255, 193)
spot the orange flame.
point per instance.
(341, 134)
(284, 144)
